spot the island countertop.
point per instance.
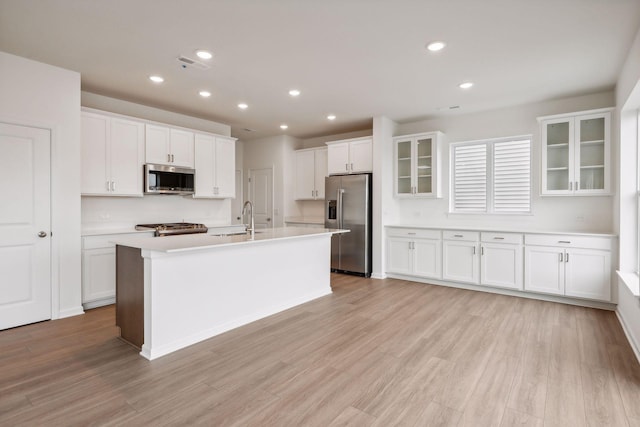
(192, 242)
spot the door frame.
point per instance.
(54, 246)
(250, 195)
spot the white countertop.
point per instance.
(190, 242)
(304, 220)
(500, 230)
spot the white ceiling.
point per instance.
(355, 58)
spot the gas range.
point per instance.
(173, 228)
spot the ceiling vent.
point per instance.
(192, 63)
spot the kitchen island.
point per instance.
(172, 292)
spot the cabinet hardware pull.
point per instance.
(474, 250)
(566, 257)
(113, 186)
(560, 256)
(346, 167)
(564, 241)
(458, 235)
(499, 238)
(108, 185)
(169, 158)
(571, 186)
(577, 185)
(481, 250)
(411, 234)
(173, 158)
(351, 167)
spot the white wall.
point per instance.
(117, 212)
(36, 94)
(321, 140)
(579, 214)
(276, 153)
(628, 102)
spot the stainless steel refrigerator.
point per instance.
(348, 206)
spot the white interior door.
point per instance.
(236, 204)
(261, 195)
(25, 223)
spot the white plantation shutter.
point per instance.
(512, 176)
(470, 178)
(492, 176)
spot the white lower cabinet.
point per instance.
(415, 252)
(461, 256)
(501, 260)
(577, 266)
(573, 266)
(99, 269)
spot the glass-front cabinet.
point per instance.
(575, 153)
(417, 161)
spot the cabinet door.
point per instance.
(557, 156)
(460, 260)
(204, 165)
(361, 156)
(225, 168)
(399, 254)
(157, 145)
(320, 171)
(404, 167)
(95, 138)
(592, 154)
(588, 274)
(305, 175)
(427, 258)
(338, 158)
(126, 157)
(424, 172)
(501, 265)
(544, 269)
(98, 274)
(181, 148)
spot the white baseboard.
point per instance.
(99, 303)
(632, 341)
(69, 312)
(378, 276)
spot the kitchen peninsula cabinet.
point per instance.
(576, 153)
(350, 156)
(215, 167)
(169, 146)
(112, 155)
(310, 170)
(417, 165)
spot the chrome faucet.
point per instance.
(251, 228)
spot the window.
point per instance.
(492, 176)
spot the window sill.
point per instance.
(631, 282)
(489, 214)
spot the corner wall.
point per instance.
(40, 95)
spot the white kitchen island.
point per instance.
(174, 291)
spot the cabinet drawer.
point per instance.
(587, 242)
(104, 240)
(468, 236)
(512, 238)
(414, 233)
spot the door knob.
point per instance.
(268, 219)
(238, 218)
(42, 234)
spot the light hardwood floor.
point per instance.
(375, 353)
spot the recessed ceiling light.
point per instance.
(436, 46)
(243, 106)
(294, 92)
(156, 79)
(331, 117)
(465, 85)
(283, 127)
(203, 54)
(205, 93)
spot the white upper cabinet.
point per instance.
(417, 165)
(169, 146)
(112, 155)
(576, 153)
(350, 156)
(215, 166)
(310, 170)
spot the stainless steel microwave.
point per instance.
(163, 179)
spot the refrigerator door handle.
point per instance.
(339, 202)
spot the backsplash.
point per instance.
(125, 212)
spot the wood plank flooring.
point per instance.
(375, 353)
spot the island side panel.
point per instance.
(130, 294)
